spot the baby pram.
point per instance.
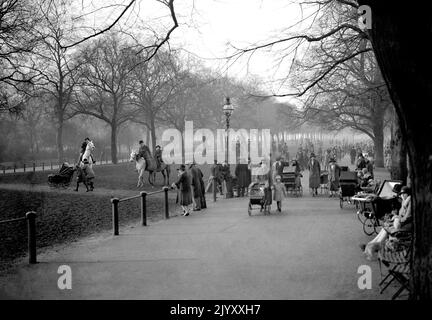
(63, 178)
(348, 186)
(259, 192)
(374, 206)
(292, 180)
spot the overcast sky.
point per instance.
(241, 23)
(208, 26)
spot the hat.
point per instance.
(158, 146)
(141, 142)
(182, 167)
(278, 177)
(85, 161)
(312, 154)
(405, 189)
(332, 160)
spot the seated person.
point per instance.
(365, 177)
(398, 221)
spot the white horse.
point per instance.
(88, 153)
(140, 165)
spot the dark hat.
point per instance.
(158, 146)
(85, 161)
(87, 138)
(312, 155)
(405, 189)
(332, 160)
(182, 167)
(141, 142)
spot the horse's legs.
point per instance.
(140, 178)
(163, 173)
(149, 178)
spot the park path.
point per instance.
(309, 251)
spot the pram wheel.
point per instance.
(341, 203)
(250, 209)
(369, 226)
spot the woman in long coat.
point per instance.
(183, 184)
(334, 175)
(314, 174)
(242, 174)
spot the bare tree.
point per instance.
(154, 85)
(353, 95)
(57, 67)
(105, 86)
(18, 37)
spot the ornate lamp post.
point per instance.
(228, 110)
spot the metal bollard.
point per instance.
(143, 208)
(24, 167)
(4, 169)
(43, 166)
(34, 167)
(165, 189)
(14, 167)
(51, 165)
(115, 202)
(31, 228)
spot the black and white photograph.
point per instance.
(224, 151)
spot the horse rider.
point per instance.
(158, 156)
(143, 150)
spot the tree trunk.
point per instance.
(378, 131)
(399, 169)
(153, 134)
(59, 140)
(398, 35)
(147, 136)
(114, 143)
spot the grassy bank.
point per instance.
(63, 217)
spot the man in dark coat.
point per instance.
(196, 178)
(143, 150)
(203, 199)
(242, 174)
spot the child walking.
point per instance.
(279, 190)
